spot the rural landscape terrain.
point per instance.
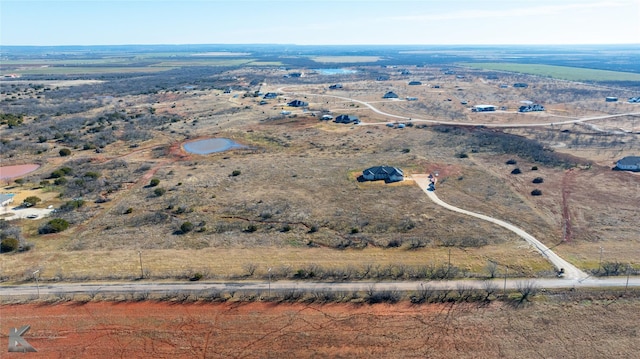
(229, 164)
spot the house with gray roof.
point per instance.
(386, 173)
(390, 94)
(629, 163)
(347, 119)
(298, 103)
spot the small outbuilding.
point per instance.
(520, 85)
(386, 173)
(270, 95)
(335, 86)
(629, 163)
(390, 94)
(611, 99)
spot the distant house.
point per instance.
(521, 85)
(390, 94)
(385, 173)
(412, 98)
(335, 86)
(326, 117)
(531, 108)
(634, 99)
(347, 119)
(415, 83)
(227, 90)
(382, 78)
(298, 103)
(611, 99)
(405, 72)
(6, 199)
(483, 108)
(295, 74)
(270, 95)
(629, 163)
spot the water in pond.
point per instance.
(335, 71)
(211, 145)
(8, 172)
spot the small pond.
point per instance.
(211, 145)
(8, 172)
(335, 71)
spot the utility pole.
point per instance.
(600, 265)
(36, 274)
(504, 290)
(141, 270)
(269, 282)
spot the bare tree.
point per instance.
(527, 289)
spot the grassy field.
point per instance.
(558, 72)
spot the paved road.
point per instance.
(283, 286)
(571, 272)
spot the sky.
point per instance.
(314, 22)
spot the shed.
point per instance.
(415, 83)
(386, 173)
(611, 99)
(269, 95)
(521, 85)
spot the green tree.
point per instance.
(19, 181)
(54, 226)
(186, 227)
(64, 152)
(9, 245)
(31, 201)
(154, 182)
(159, 191)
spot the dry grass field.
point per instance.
(551, 328)
(295, 201)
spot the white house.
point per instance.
(629, 163)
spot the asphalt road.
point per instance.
(283, 286)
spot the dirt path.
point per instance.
(570, 271)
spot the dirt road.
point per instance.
(570, 271)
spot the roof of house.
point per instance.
(6, 196)
(630, 160)
(346, 119)
(390, 94)
(297, 103)
(387, 170)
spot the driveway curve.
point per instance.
(570, 271)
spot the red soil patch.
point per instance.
(8, 172)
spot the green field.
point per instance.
(558, 72)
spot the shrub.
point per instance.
(511, 162)
(54, 226)
(236, 173)
(9, 245)
(31, 201)
(462, 155)
(71, 205)
(516, 171)
(186, 227)
(60, 181)
(92, 175)
(538, 180)
(159, 191)
(536, 192)
(251, 228)
(128, 211)
(64, 152)
(19, 181)
(154, 182)
(286, 228)
(534, 168)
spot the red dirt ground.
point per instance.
(269, 330)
